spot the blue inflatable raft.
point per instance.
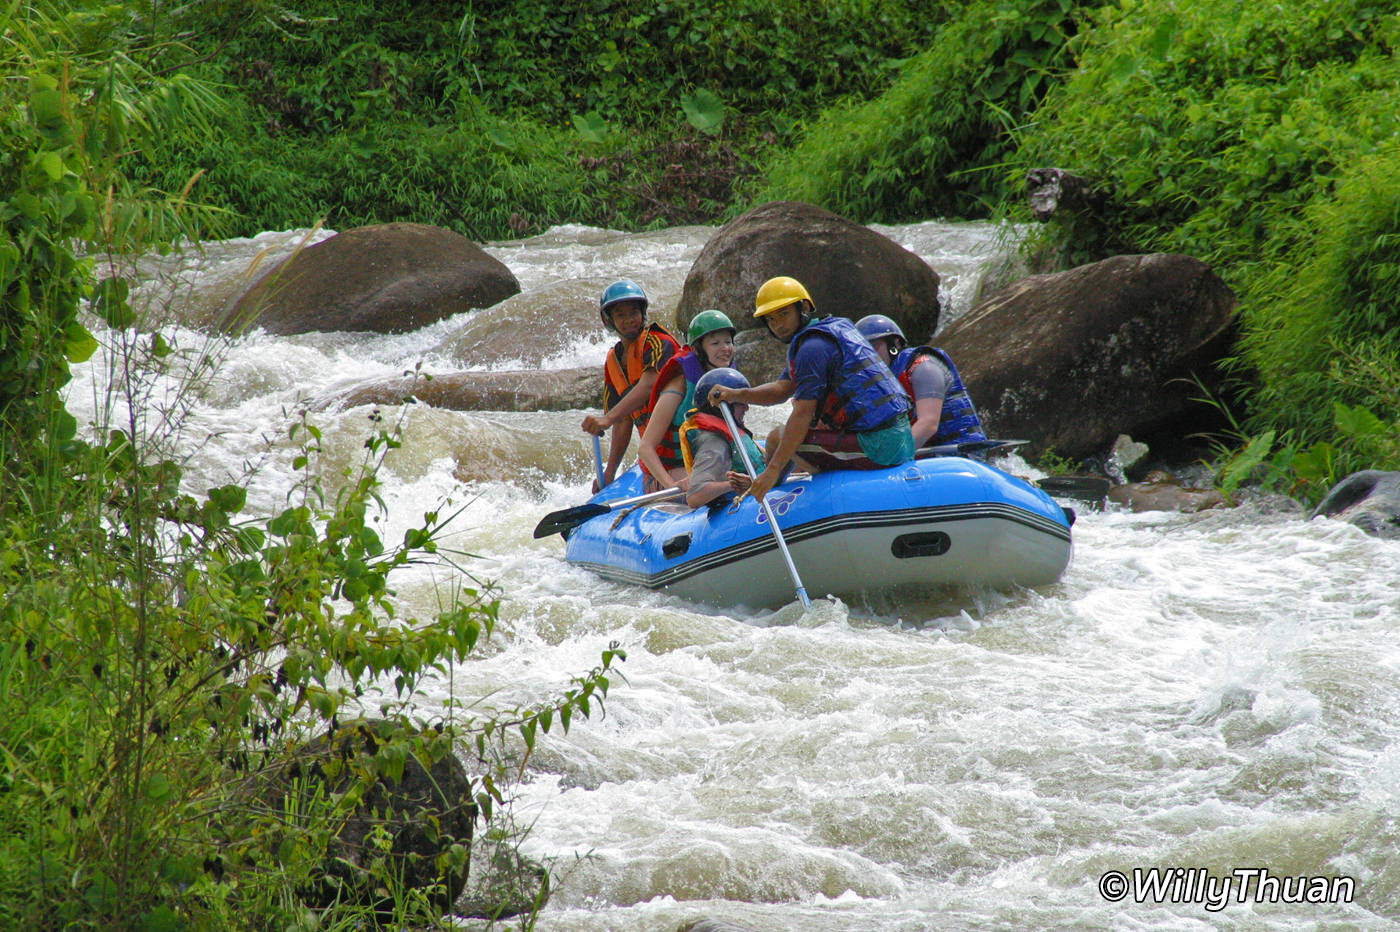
(945, 520)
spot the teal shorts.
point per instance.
(875, 449)
(892, 445)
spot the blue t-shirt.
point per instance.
(816, 368)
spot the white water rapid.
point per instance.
(1201, 696)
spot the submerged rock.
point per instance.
(1161, 491)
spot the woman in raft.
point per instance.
(710, 346)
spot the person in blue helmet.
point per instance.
(713, 464)
(630, 371)
(943, 410)
(848, 409)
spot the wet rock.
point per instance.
(515, 390)
(385, 278)
(849, 270)
(424, 815)
(1050, 189)
(1126, 454)
(1073, 359)
(713, 925)
(1161, 491)
(1369, 499)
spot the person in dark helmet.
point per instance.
(713, 463)
(630, 371)
(848, 409)
(943, 410)
(710, 345)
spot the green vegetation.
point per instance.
(1259, 139)
(163, 659)
(500, 119)
(159, 651)
(933, 145)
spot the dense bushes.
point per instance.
(497, 119)
(159, 651)
(932, 145)
(1257, 138)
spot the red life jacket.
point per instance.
(711, 423)
(685, 363)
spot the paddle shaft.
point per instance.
(598, 460)
(767, 508)
(966, 446)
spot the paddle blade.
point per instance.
(1082, 488)
(569, 518)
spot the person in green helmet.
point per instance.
(710, 345)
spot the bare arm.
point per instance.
(928, 411)
(794, 432)
(636, 398)
(667, 401)
(769, 393)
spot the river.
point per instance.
(1204, 700)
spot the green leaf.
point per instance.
(158, 788)
(704, 111)
(159, 347)
(590, 126)
(161, 919)
(52, 164)
(1239, 469)
(78, 343)
(1357, 422)
(501, 136)
(66, 426)
(110, 303)
(228, 498)
(1123, 67)
(1161, 40)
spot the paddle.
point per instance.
(967, 446)
(1083, 488)
(598, 460)
(570, 518)
(767, 508)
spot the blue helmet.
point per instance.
(729, 378)
(621, 290)
(877, 326)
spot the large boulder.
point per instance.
(516, 390)
(850, 270)
(386, 278)
(1369, 499)
(1073, 359)
(424, 814)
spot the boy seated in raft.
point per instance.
(713, 464)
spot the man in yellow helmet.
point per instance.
(848, 409)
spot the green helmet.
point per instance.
(707, 322)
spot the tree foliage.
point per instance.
(160, 651)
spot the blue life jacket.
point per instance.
(868, 396)
(958, 420)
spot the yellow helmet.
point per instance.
(777, 293)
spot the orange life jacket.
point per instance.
(627, 364)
